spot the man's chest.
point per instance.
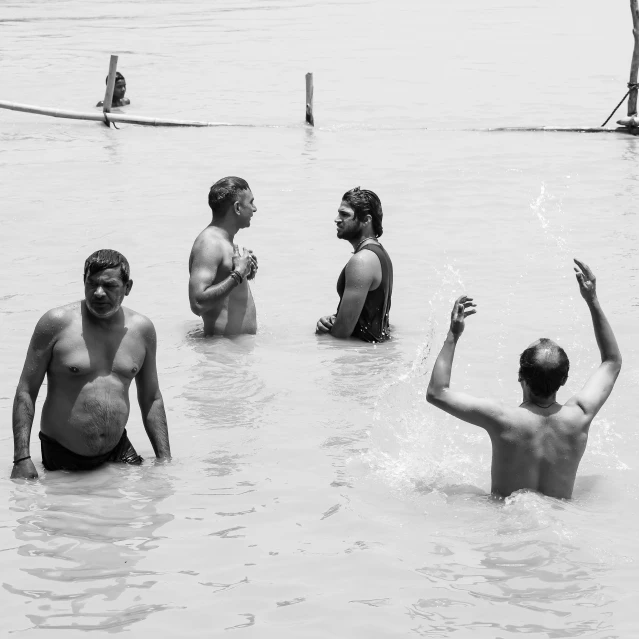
(81, 355)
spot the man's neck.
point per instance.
(541, 402)
(357, 241)
(226, 227)
(103, 322)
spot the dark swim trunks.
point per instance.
(57, 457)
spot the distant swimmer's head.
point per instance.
(232, 196)
(544, 366)
(107, 281)
(366, 209)
(120, 86)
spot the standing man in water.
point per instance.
(365, 285)
(219, 271)
(539, 444)
(90, 352)
(119, 90)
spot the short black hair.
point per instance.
(224, 192)
(544, 367)
(107, 258)
(365, 203)
(118, 76)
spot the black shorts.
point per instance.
(57, 457)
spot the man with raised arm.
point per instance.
(539, 444)
(219, 271)
(365, 284)
(90, 352)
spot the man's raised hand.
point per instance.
(463, 307)
(587, 281)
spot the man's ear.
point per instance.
(236, 207)
(127, 287)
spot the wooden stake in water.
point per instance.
(634, 66)
(108, 96)
(309, 99)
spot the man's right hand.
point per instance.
(24, 470)
(244, 263)
(587, 281)
(324, 324)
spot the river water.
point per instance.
(313, 491)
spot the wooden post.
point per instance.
(634, 66)
(108, 96)
(309, 98)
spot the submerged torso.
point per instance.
(88, 379)
(539, 452)
(235, 313)
(373, 322)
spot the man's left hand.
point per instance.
(463, 307)
(324, 324)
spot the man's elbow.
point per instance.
(614, 363)
(436, 395)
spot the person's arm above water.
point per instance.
(480, 412)
(359, 275)
(150, 397)
(35, 368)
(598, 388)
(203, 294)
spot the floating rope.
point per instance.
(632, 86)
(109, 122)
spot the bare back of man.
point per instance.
(539, 444)
(538, 449)
(212, 257)
(89, 375)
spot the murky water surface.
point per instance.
(313, 492)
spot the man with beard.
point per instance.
(90, 352)
(219, 271)
(365, 285)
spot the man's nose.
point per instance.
(99, 292)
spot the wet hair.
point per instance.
(224, 192)
(107, 258)
(118, 76)
(544, 367)
(365, 203)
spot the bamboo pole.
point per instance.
(309, 99)
(634, 66)
(108, 96)
(99, 117)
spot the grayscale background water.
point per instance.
(313, 492)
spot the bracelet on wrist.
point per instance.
(17, 461)
(236, 276)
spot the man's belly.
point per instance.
(237, 316)
(90, 422)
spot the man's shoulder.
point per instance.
(137, 321)
(210, 242)
(61, 316)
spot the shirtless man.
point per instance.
(218, 288)
(118, 99)
(539, 444)
(365, 285)
(90, 352)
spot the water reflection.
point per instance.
(85, 538)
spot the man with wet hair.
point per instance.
(90, 351)
(538, 445)
(365, 285)
(118, 99)
(219, 270)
